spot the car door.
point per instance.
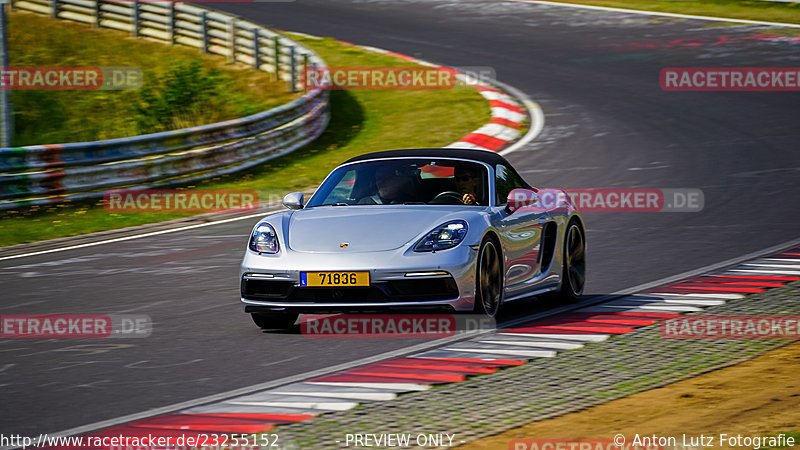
(520, 232)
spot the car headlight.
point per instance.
(264, 239)
(444, 236)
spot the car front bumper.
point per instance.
(399, 280)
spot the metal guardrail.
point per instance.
(42, 174)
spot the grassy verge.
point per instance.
(756, 398)
(768, 11)
(181, 87)
(361, 121)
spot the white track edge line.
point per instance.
(136, 236)
(535, 112)
(664, 14)
(319, 372)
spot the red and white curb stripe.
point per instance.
(544, 338)
(659, 13)
(503, 128)
(509, 112)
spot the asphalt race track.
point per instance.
(608, 124)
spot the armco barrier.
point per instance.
(42, 174)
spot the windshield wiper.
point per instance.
(414, 203)
(335, 204)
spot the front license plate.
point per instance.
(324, 279)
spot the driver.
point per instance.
(467, 182)
(394, 186)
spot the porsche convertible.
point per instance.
(419, 229)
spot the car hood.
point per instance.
(364, 228)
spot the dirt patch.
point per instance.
(760, 397)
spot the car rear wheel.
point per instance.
(574, 272)
(489, 283)
(274, 321)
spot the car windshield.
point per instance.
(405, 181)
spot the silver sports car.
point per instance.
(418, 229)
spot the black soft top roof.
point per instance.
(485, 156)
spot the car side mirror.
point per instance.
(293, 200)
(520, 198)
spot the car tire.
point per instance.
(274, 321)
(489, 279)
(574, 265)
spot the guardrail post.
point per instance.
(293, 67)
(54, 11)
(232, 40)
(6, 120)
(256, 49)
(98, 12)
(204, 30)
(305, 71)
(276, 46)
(172, 33)
(135, 18)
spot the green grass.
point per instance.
(734, 9)
(361, 122)
(221, 92)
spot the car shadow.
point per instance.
(525, 307)
(510, 312)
